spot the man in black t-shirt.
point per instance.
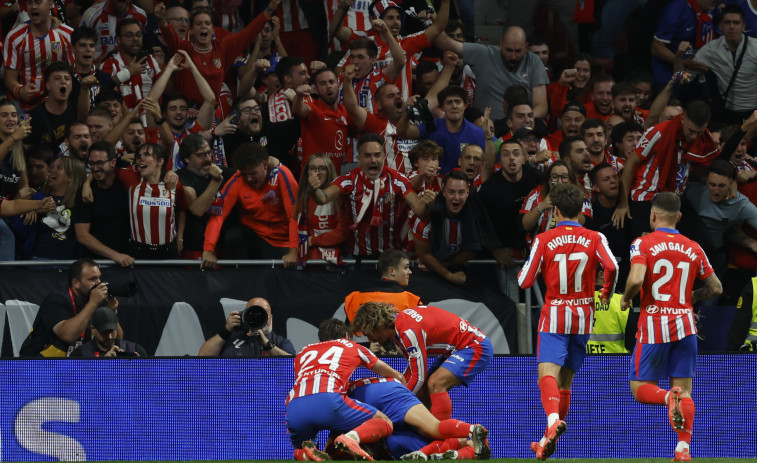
(50, 119)
(63, 318)
(606, 187)
(102, 226)
(202, 180)
(503, 195)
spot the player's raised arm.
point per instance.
(415, 349)
(610, 267)
(633, 284)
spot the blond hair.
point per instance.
(373, 316)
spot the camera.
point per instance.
(126, 289)
(419, 112)
(254, 318)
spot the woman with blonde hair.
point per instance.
(52, 236)
(323, 229)
(12, 167)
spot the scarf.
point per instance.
(702, 151)
(705, 30)
(279, 109)
(375, 195)
(584, 12)
(302, 234)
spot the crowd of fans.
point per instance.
(319, 130)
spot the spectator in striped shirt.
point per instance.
(31, 47)
(371, 196)
(134, 70)
(105, 17)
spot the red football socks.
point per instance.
(441, 405)
(564, 403)
(687, 409)
(651, 394)
(441, 446)
(466, 453)
(454, 428)
(373, 430)
(550, 395)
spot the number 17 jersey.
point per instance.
(567, 256)
(673, 262)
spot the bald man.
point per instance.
(497, 68)
(234, 341)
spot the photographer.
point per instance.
(105, 341)
(63, 318)
(235, 341)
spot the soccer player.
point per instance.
(464, 351)
(567, 256)
(664, 264)
(322, 373)
(402, 407)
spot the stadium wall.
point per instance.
(218, 409)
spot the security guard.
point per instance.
(743, 335)
(608, 335)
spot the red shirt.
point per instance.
(673, 262)
(325, 131)
(567, 257)
(327, 367)
(268, 211)
(102, 18)
(214, 64)
(425, 330)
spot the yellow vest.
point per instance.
(751, 337)
(608, 335)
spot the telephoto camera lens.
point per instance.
(254, 318)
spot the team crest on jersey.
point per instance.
(55, 46)
(165, 193)
(413, 352)
(270, 197)
(217, 63)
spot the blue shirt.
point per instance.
(453, 143)
(677, 24)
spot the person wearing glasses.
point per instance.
(537, 213)
(130, 67)
(202, 180)
(102, 226)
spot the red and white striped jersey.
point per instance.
(30, 56)
(102, 18)
(453, 233)
(291, 16)
(390, 208)
(144, 81)
(396, 149)
(327, 367)
(672, 263)
(227, 12)
(365, 89)
(547, 220)
(567, 256)
(411, 44)
(357, 18)
(434, 184)
(152, 208)
(426, 330)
